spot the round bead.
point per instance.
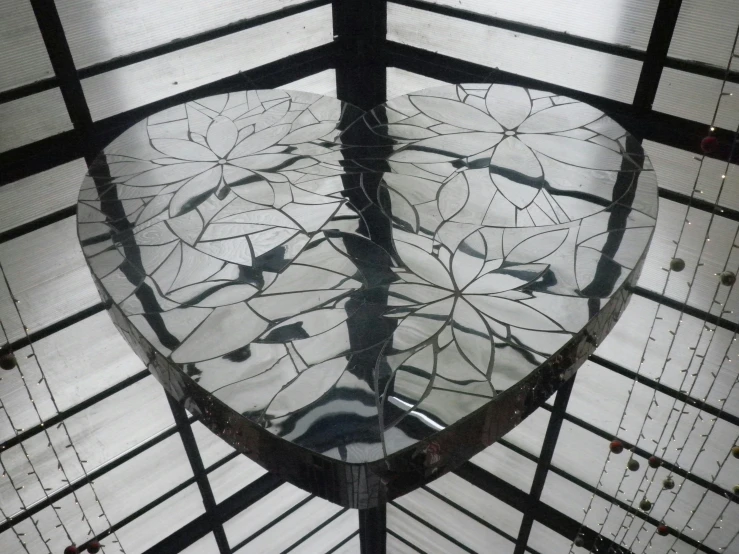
(655, 462)
(579, 541)
(709, 144)
(663, 530)
(677, 264)
(71, 549)
(632, 464)
(736, 490)
(93, 547)
(735, 451)
(668, 483)
(8, 361)
(728, 278)
(645, 505)
(617, 446)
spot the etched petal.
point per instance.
(446, 147)
(222, 135)
(259, 141)
(468, 259)
(195, 192)
(424, 265)
(422, 324)
(455, 113)
(506, 278)
(516, 172)
(512, 312)
(184, 150)
(472, 336)
(508, 105)
(560, 118)
(571, 151)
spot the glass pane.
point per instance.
(418, 534)
(709, 375)
(233, 476)
(77, 362)
(212, 447)
(292, 528)
(155, 525)
(705, 31)
(695, 97)
(24, 58)
(544, 539)
(206, 545)
(256, 516)
(151, 80)
(401, 82)
(561, 64)
(33, 118)
(529, 435)
(41, 194)
(99, 434)
(48, 275)
(323, 83)
(474, 500)
(143, 479)
(705, 291)
(454, 523)
(626, 22)
(331, 535)
(508, 465)
(99, 30)
(673, 431)
(683, 172)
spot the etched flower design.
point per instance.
(470, 298)
(537, 150)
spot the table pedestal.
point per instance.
(373, 529)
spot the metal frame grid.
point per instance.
(360, 55)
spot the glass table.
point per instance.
(362, 302)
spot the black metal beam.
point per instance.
(22, 91)
(198, 470)
(545, 461)
(655, 126)
(698, 203)
(659, 43)
(62, 62)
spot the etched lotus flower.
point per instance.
(469, 298)
(535, 149)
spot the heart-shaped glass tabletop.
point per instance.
(362, 302)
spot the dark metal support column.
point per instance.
(373, 529)
(545, 459)
(201, 477)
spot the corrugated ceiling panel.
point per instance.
(707, 240)
(212, 447)
(454, 523)
(262, 513)
(42, 194)
(705, 31)
(155, 525)
(151, 80)
(696, 97)
(206, 545)
(293, 528)
(627, 22)
(704, 354)
(329, 536)
(673, 430)
(507, 464)
(683, 172)
(98, 30)
(24, 58)
(32, 118)
(561, 64)
(323, 83)
(48, 275)
(418, 534)
(543, 539)
(529, 434)
(400, 82)
(233, 476)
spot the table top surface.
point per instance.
(360, 286)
